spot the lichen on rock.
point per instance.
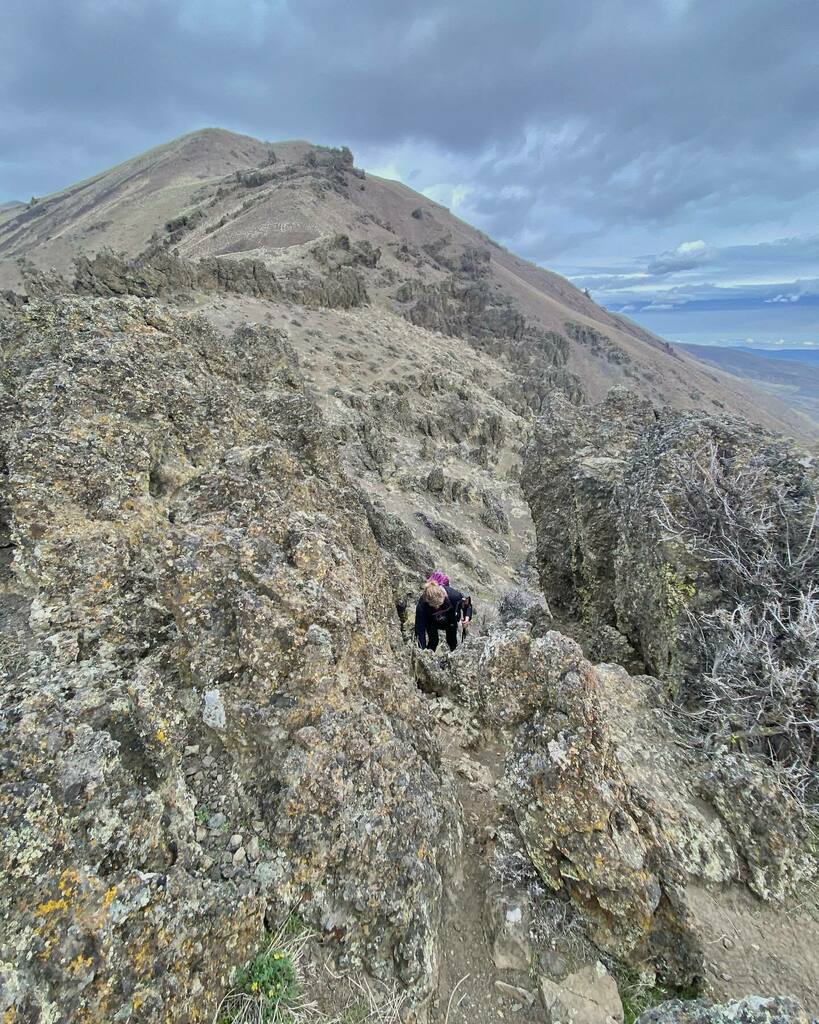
(205, 720)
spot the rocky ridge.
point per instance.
(226, 468)
(198, 631)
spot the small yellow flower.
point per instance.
(254, 986)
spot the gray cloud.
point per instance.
(562, 129)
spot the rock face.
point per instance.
(205, 719)
(752, 1010)
(601, 481)
(613, 813)
(159, 273)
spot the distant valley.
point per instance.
(791, 375)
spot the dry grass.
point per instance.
(356, 999)
(282, 1003)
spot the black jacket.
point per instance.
(449, 614)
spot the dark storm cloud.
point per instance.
(561, 128)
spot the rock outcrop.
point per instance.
(205, 721)
(159, 273)
(752, 1010)
(603, 486)
(614, 814)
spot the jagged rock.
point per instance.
(571, 470)
(339, 251)
(408, 559)
(493, 515)
(190, 570)
(445, 533)
(462, 308)
(767, 825)
(751, 1010)
(436, 480)
(583, 829)
(158, 273)
(612, 811)
(609, 644)
(598, 343)
(597, 480)
(589, 996)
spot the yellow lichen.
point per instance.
(50, 906)
(80, 963)
(69, 880)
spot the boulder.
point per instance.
(589, 996)
(613, 812)
(509, 920)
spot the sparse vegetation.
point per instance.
(268, 989)
(637, 996)
(514, 604)
(277, 987)
(759, 689)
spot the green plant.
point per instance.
(295, 925)
(356, 1013)
(268, 989)
(637, 997)
(271, 976)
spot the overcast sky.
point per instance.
(662, 153)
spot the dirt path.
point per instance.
(755, 947)
(471, 989)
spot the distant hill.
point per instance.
(791, 374)
(215, 195)
(796, 355)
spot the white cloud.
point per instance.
(691, 248)
(686, 256)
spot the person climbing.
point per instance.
(441, 607)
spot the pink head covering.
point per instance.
(440, 578)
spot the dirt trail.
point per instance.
(471, 987)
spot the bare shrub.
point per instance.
(514, 604)
(554, 918)
(759, 651)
